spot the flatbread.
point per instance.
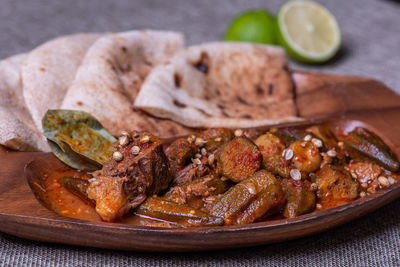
(111, 74)
(222, 84)
(50, 69)
(17, 130)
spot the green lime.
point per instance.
(256, 26)
(308, 31)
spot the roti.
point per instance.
(111, 75)
(50, 69)
(17, 130)
(222, 84)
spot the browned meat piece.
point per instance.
(216, 137)
(367, 174)
(138, 168)
(271, 148)
(189, 173)
(194, 192)
(239, 159)
(179, 154)
(335, 186)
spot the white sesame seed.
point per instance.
(191, 138)
(200, 141)
(288, 154)
(364, 185)
(331, 153)
(307, 137)
(135, 150)
(124, 133)
(204, 151)
(314, 186)
(196, 161)
(144, 139)
(383, 181)
(295, 174)
(135, 134)
(391, 180)
(317, 142)
(123, 140)
(238, 132)
(341, 144)
(211, 159)
(353, 175)
(218, 139)
(91, 180)
(319, 206)
(251, 188)
(117, 156)
(197, 156)
(362, 194)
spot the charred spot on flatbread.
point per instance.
(177, 80)
(178, 104)
(203, 63)
(270, 89)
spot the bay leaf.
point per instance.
(77, 138)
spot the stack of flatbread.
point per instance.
(146, 81)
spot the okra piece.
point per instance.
(325, 134)
(363, 144)
(239, 159)
(306, 156)
(78, 187)
(182, 215)
(301, 198)
(216, 137)
(271, 148)
(250, 199)
(290, 135)
(179, 154)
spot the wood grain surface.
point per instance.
(342, 99)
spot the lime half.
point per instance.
(256, 26)
(308, 31)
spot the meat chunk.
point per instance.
(137, 169)
(195, 192)
(335, 186)
(189, 173)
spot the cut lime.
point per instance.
(308, 31)
(256, 26)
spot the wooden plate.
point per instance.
(346, 99)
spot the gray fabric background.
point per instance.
(371, 47)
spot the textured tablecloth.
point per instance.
(371, 47)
